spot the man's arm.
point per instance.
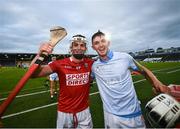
(159, 86)
(43, 70)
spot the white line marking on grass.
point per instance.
(37, 108)
(166, 69)
(173, 71)
(41, 107)
(35, 93)
(30, 110)
(158, 71)
(24, 95)
(40, 87)
(139, 81)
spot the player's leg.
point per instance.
(52, 89)
(64, 120)
(56, 85)
(84, 119)
(113, 121)
(81, 120)
(51, 78)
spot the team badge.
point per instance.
(86, 65)
(78, 67)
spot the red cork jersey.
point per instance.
(74, 80)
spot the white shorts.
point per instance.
(113, 121)
(66, 120)
(53, 77)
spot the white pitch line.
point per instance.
(25, 89)
(139, 81)
(166, 69)
(34, 109)
(30, 110)
(24, 95)
(173, 71)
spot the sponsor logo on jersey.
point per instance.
(67, 67)
(77, 79)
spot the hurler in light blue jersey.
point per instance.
(115, 84)
(113, 77)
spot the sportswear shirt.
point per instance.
(74, 80)
(115, 84)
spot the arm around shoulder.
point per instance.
(158, 85)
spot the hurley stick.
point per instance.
(57, 34)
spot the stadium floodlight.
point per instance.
(163, 111)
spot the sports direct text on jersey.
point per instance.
(77, 79)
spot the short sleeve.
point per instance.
(53, 66)
(132, 64)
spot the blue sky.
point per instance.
(134, 25)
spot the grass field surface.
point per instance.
(33, 107)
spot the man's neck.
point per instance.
(104, 57)
(73, 59)
(107, 57)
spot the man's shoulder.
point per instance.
(121, 55)
(60, 61)
(88, 60)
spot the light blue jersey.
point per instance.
(115, 84)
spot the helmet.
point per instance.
(79, 37)
(163, 111)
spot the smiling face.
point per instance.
(78, 46)
(101, 45)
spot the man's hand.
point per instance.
(175, 91)
(45, 47)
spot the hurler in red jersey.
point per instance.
(74, 79)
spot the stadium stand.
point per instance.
(160, 55)
(22, 60)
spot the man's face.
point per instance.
(78, 47)
(101, 45)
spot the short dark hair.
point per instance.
(99, 33)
